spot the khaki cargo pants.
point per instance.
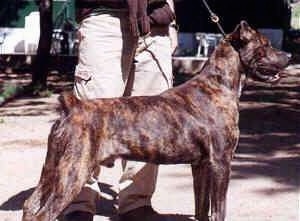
(106, 53)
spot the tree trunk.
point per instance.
(41, 61)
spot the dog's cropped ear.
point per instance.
(244, 25)
(246, 32)
(67, 102)
(241, 35)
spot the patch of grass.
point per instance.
(9, 90)
(38, 91)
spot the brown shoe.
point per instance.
(145, 213)
(78, 216)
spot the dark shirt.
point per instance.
(156, 12)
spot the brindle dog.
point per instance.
(195, 123)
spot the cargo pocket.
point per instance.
(82, 73)
(82, 77)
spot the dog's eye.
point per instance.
(260, 52)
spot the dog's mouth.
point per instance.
(274, 79)
(268, 78)
(269, 75)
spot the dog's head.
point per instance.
(261, 60)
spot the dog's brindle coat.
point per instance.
(195, 123)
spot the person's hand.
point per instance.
(142, 18)
(139, 20)
(161, 14)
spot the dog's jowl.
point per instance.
(195, 123)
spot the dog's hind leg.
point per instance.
(67, 168)
(201, 190)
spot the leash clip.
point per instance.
(215, 18)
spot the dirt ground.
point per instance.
(266, 169)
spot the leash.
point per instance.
(130, 79)
(214, 18)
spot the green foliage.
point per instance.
(9, 11)
(38, 90)
(8, 90)
(13, 12)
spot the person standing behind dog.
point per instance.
(125, 48)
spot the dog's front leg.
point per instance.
(201, 180)
(220, 173)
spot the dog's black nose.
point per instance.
(289, 55)
(286, 58)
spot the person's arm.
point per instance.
(160, 13)
(139, 20)
(164, 15)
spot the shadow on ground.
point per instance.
(105, 206)
(164, 217)
(27, 105)
(56, 81)
(16, 202)
(23, 106)
(269, 144)
(270, 135)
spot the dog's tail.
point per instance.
(68, 101)
(67, 168)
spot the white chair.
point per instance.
(32, 32)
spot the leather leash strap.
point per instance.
(214, 18)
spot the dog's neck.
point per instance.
(224, 67)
